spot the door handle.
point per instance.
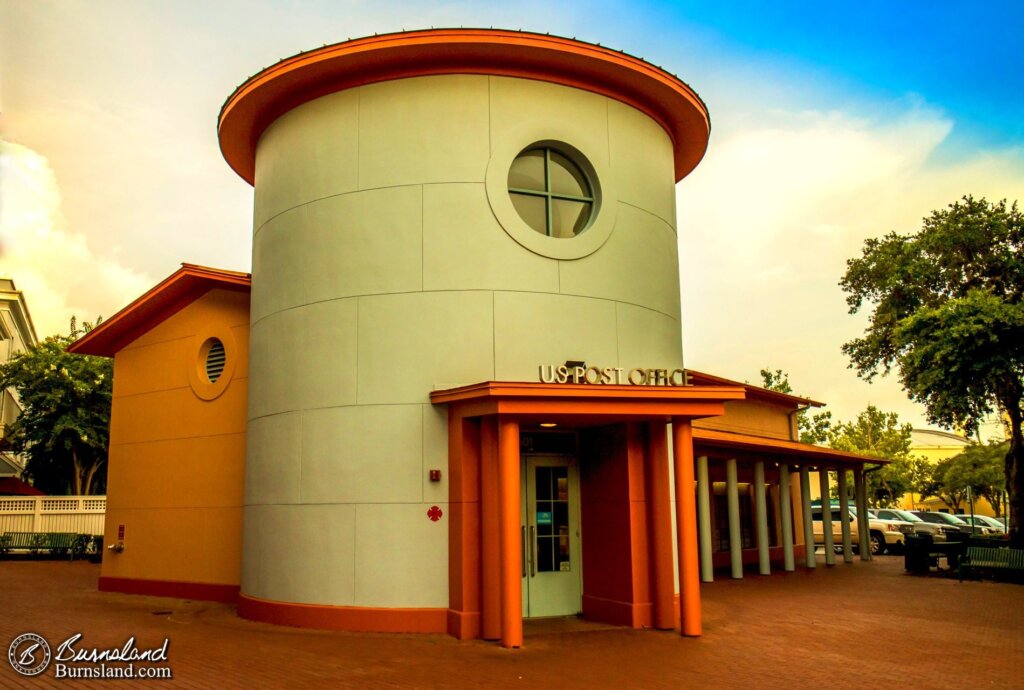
(533, 554)
(523, 550)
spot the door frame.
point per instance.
(528, 520)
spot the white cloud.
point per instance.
(59, 272)
(769, 218)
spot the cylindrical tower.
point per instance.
(433, 209)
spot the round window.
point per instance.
(216, 358)
(551, 192)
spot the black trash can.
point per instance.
(916, 557)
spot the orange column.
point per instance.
(508, 526)
(491, 566)
(659, 518)
(686, 528)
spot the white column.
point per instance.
(826, 516)
(786, 511)
(844, 514)
(707, 567)
(805, 507)
(732, 498)
(861, 499)
(761, 510)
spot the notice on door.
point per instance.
(543, 518)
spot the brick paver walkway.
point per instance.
(865, 625)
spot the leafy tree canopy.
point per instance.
(813, 428)
(880, 434)
(874, 433)
(978, 467)
(947, 313)
(63, 429)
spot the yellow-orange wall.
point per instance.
(752, 417)
(177, 461)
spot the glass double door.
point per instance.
(550, 528)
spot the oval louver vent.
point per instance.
(215, 358)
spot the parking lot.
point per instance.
(865, 625)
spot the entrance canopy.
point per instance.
(486, 561)
(585, 404)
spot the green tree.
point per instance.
(813, 428)
(947, 313)
(879, 434)
(978, 467)
(63, 429)
(944, 485)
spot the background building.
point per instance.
(17, 334)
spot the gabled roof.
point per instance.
(173, 294)
(753, 392)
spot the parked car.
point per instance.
(937, 532)
(995, 525)
(938, 518)
(885, 535)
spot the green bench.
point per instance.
(55, 542)
(991, 558)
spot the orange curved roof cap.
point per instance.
(269, 94)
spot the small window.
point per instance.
(215, 360)
(550, 192)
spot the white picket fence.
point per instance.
(79, 514)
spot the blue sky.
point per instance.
(965, 58)
(832, 122)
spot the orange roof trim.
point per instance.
(296, 80)
(701, 379)
(173, 294)
(817, 454)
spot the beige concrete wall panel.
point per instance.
(531, 329)
(327, 375)
(400, 556)
(279, 253)
(435, 452)
(309, 153)
(516, 103)
(422, 130)
(306, 358)
(638, 264)
(464, 247)
(252, 549)
(272, 464)
(647, 338)
(274, 346)
(357, 244)
(369, 453)
(304, 553)
(363, 244)
(410, 343)
(642, 161)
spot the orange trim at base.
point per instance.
(201, 591)
(463, 625)
(352, 618)
(617, 612)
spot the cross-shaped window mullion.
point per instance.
(547, 188)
